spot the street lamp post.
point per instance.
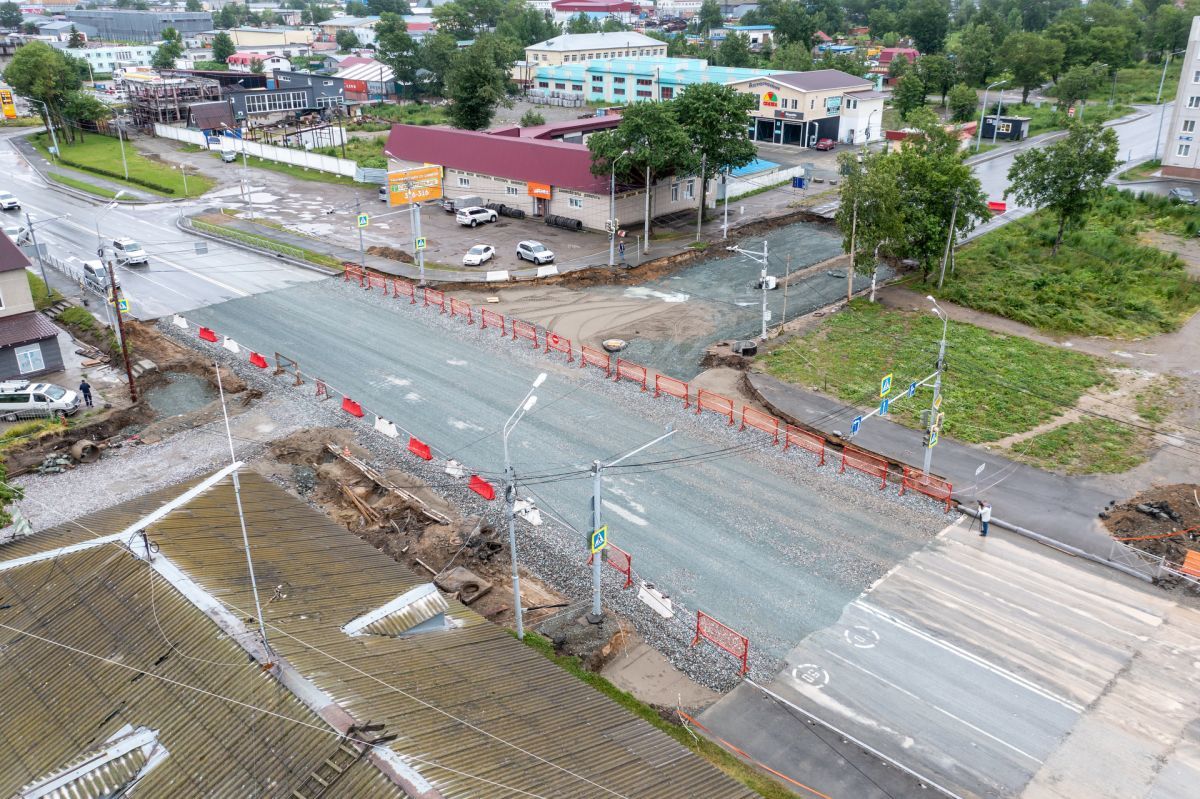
(761, 259)
(999, 107)
(937, 385)
(1158, 100)
(870, 116)
(983, 110)
(597, 614)
(612, 209)
(510, 496)
(124, 163)
(49, 125)
(29, 223)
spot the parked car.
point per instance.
(455, 204)
(20, 399)
(1182, 195)
(479, 254)
(534, 251)
(473, 216)
(128, 252)
(95, 277)
(825, 144)
(229, 156)
(9, 201)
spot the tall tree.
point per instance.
(582, 23)
(357, 8)
(1031, 58)
(709, 16)
(193, 6)
(76, 39)
(656, 146)
(380, 7)
(1077, 84)
(10, 15)
(791, 19)
(792, 57)
(976, 54)
(436, 54)
(1067, 175)
(396, 48)
(222, 47)
(927, 22)
(871, 213)
(42, 73)
(735, 51)
(962, 102)
(347, 40)
(850, 63)
(937, 73)
(909, 95)
(478, 82)
(256, 66)
(526, 25)
(713, 117)
(898, 66)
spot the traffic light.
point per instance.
(925, 438)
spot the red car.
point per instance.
(825, 144)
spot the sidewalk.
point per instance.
(1062, 508)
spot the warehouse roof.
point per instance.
(820, 80)
(595, 41)
(164, 679)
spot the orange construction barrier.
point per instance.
(352, 272)
(482, 487)
(351, 407)
(795, 437)
(460, 308)
(377, 282)
(496, 319)
(620, 560)
(207, 335)
(524, 330)
(867, 464)
(926, 484)
(402, 288)
(1190, 565)
(760, 421)
(708, 401)
(559, 344)
(590, 356)
(631, 371)
(669, 385)
(258, 360)
(435, 297)
(723, 637)
(419, 448)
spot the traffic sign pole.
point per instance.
(597, 614)
(935, 427)
(362, 253)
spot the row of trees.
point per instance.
(42, 73)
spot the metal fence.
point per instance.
(248, 239)
(267, 152)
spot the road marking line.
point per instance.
(939, 709)
(1016, 679)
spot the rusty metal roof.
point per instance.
(475, 713)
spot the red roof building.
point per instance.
(888, 53)
(594, 6)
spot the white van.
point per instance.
(20, 399)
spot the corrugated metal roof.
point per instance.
(478, 714)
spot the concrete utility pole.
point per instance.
(646, 222)
(725, 224)
(612, 209)
(937, 386)
(38, 251)
(703, 195)
(510, 497)
(597, 614)
(787, 273)
(758, 258)
(853, 237)
(116, 295)
(949, 241)
(362, 253)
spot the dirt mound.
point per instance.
(1154, 515)
(391, 253)
(307, 447)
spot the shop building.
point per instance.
(802, 108)
(629, 80)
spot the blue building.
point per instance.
(629, 80)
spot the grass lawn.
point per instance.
(103, 154)
(1102, 281)
(82, 185)
(993, 386)
(1141, 171)
(1089, 446)
(733, 767)
(366, 151)
(1048, 117)
(409, 113)
(43, 297)
(1139, 84)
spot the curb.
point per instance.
(187, 228)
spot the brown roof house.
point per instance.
(132, 656)
(28, 341)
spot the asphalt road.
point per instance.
(177, 277)
(774, 551)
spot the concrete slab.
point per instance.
(644, 672)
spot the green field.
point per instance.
(409, 113)
(102, 155)
(1139, 84)
(1103, 281)
(1048, 117)
(82, 185)
(994, 385)
(296, 171)
(366, 152)
(1089, 446)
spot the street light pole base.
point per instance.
(594, 618)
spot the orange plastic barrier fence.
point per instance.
(631, 371)
(708, 401)
(997, 206)
(482, 487)
(496, 320)
(258, 360)
(559, 344)
(1190, 565)
(867, 464)
(351, 407)
(620, 560)
(402, 288)
(926, 484)
(795, 437)
(435, 297)
(524, 330)
(460, 308)
(669, 385)
(419, 448)
(207, 334)
(590, 356)
(760, 421)
(377, 282)
(723, 637)
(352, 273)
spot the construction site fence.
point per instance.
(435, 298)
(795, 437)
(928, 485)
(867, 464)
(491, 319)
(631, 371)
(710, 401)
(671, 387)
(590, 356)
(460, 308)
(267, 152)
(556, 343)
(765, 422)
(618, 559)
(724, 638)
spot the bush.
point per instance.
(531, 119)
(962, 102)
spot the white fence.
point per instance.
(739, 186)
(269, 152)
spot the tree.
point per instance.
(1067, 175)
(83, 108)
(976, 54)
(222, 47)
(1027, 57)
(526, 26)
(909, 95)
(850, 63)
(357, 8)
(1112, 46)
(76, 39)
(656, 146)
(898, 66)
(381, 7)
(1077, 84)
(962, 102)
(927, 21)
(937, 73)
(228, 19)
(436, 55)
(396, 48)
(709, 15)
(735, 51)
(10, 15)
(582, 23)
(478, 82)
(612, 25)
(713, 117)
(256, 66)
(8, 494)
(346, 40)
(193, 6)
(170, 49)
(42, 73)
(531, 119)
(792, 57)
(791, 19)
(871, 213)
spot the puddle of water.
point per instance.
(181, 393)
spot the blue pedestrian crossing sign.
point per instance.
(363, 220)
(857, 423)
(912, 389)
(883, 406)
(600, 539)
(420, 244)
(123, 305)
(885, 385)
(933, 437)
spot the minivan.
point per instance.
(128, 252)
(95, 277)
(20, 399)
(229, 156)
(455, 204)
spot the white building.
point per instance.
(112, 58)
(244, 62)
(1181, 152)
(574, 47)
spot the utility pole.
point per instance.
(949, 240)
(124, 163)
(853, 237)
(597, 614)
(786, 274)
(362, 254)
(647, 220)
(510, 496)
(703, 195)
(1158, 100)
(937, 387)
(116, 302)
(725, 224)
(36, 249)
(759, 258)
(612, 210)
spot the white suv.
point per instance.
(9, 202)
(20, 399)
(473, 216)
(534, 251)
(128, 252)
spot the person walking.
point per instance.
(85, 388)
(985, 516)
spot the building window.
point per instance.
(689, 190)
(510, 189)
(644, 82)
(29, 359)
(644, 93)
(1196, 76)
(276, 101)
(597, 79)
(464, 183)
(619, 91)
(615, 80)
(1189, 125)
(329, 102)
(575, 202)
(560, 85)
(543, 84)
(1194, 102)
(1183, 150)
(1004, 127)
(576, 87)
(812, 104)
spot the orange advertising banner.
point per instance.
(414, 185)
(539, 190)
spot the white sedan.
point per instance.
(479, 254)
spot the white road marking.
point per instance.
(625, 514)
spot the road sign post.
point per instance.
(885, 385)
(883, 406)
(420, 243)
(364, 219)
(599, 540)
(857, 423)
